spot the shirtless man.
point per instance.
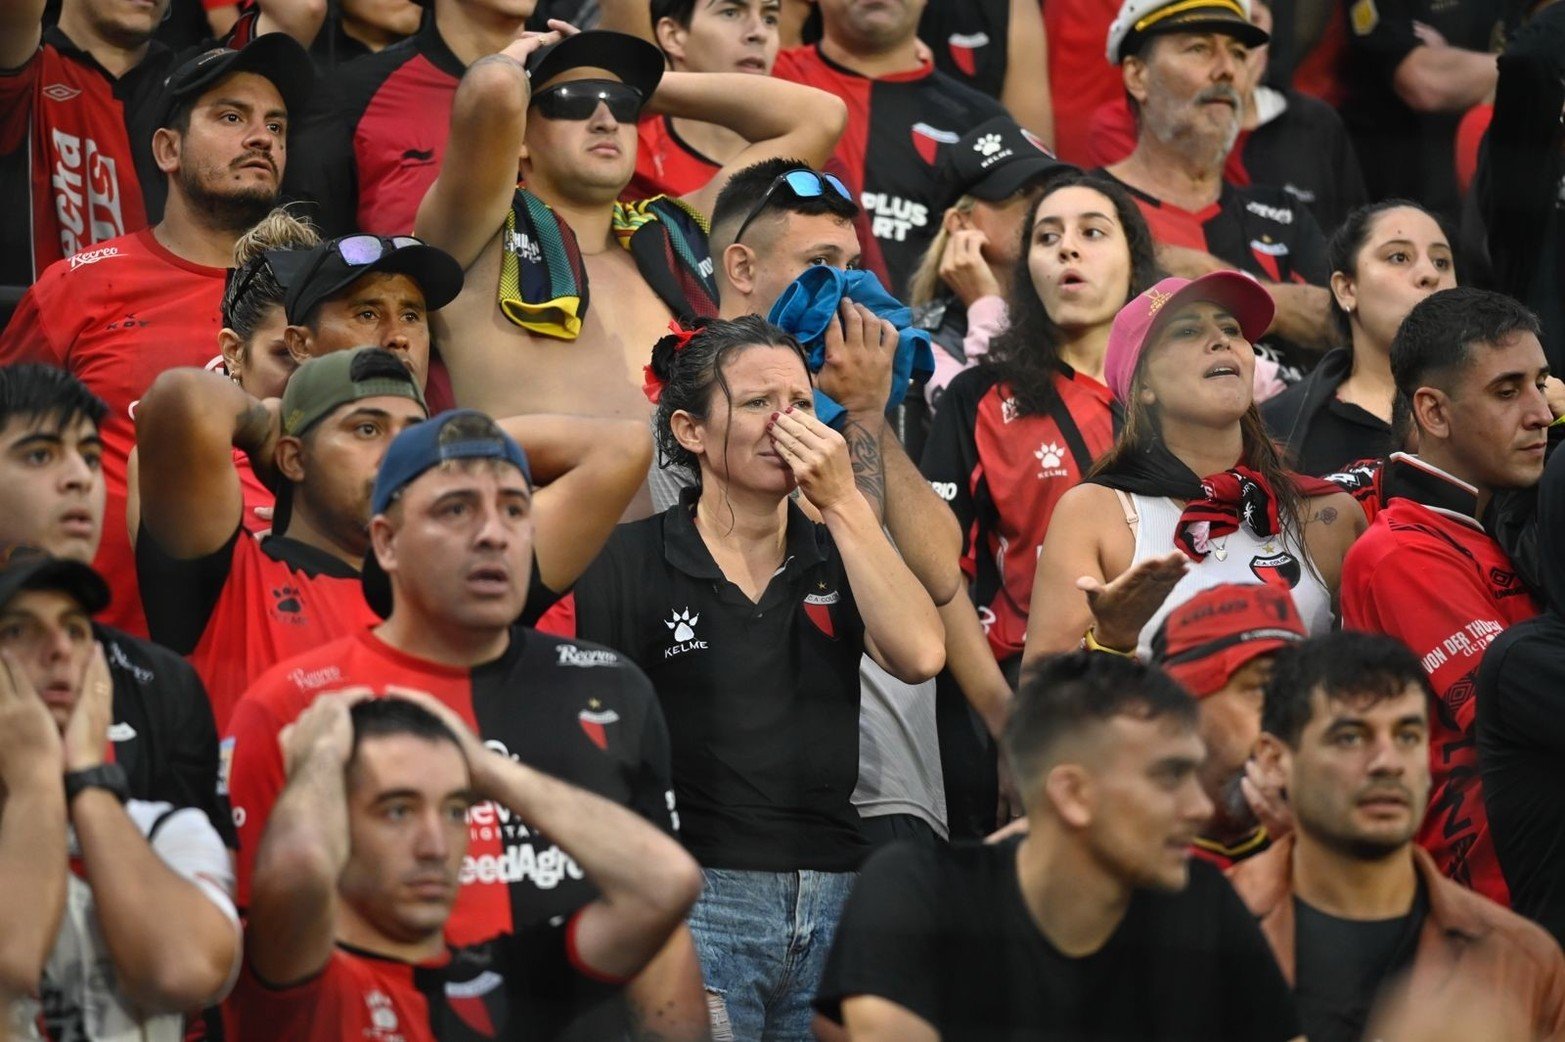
(573, 131)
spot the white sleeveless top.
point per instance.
(1239, 557)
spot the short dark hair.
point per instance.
(681, 11)
(1361, 668)
(1438, 335)
(46, 395)
(1063, 694)
(690, 369)
(744, 191)
(179, 112)
(385, 717)
(1342, 253)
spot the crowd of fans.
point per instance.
(766, 520)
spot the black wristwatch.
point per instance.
(109, 776)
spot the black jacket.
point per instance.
(1290, 415)
(1521, 730)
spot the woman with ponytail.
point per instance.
(1193, 493)
(749, 604)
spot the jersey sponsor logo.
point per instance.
(927, 141)
(1466, 642)
(1277, 570)
(891, 216)
(946, 490)
(585, 658)
(287, 606)
(1504, 584)
(384, 1026)
(817, 607)
(1051, 459)
(684, 626)
(315, 679)
(1280, 214)
(120, 660)
(594, 721)
(60, 92)
(546, 869)
(964, 49)
(82, 259)
(86, 192)
(987, 145)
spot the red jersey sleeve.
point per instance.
(254, 776)
(790, 65)
(16, 110)
(29, 336)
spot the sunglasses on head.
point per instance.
(802, 184)
(353, 250)
(579, 99)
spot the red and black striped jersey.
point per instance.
(1002, 474)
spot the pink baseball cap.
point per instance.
(1243, 297)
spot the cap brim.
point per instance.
(1015, 176)
(1243, 30)
(276, 56)
(636, 62)
(74, 578)
(437, 273)
(1238, 294)
(1210, 674)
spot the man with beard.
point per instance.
(1096, 925)
(1181, 62)
(1349, 902)
(122, 312)
(1220, 644)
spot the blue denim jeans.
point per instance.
(762, 938)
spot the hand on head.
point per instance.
(30, 747)
(88, 731)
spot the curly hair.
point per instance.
(1027, 351)
(690, 368)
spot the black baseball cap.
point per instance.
(25, 567)
(316, 275)
(277, 56)
(994, 161)
(636, 62)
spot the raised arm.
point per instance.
(588, 470)
(472, 194)
(293, 895)
(778, 118)
(902, 629)
(173, 947)
(32, 831)
(1443, 78)
(1025, 91)
(645, 880)
(187, 427)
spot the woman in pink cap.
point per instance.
(1193, 493)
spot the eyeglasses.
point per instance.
(803, 184)
(579, 99)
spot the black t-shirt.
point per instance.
(970, 40)
(761, 699)
(163, 734)
(946, 934)
(1405, 153)
(1307, 153)
(1341, 964)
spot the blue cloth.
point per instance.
(808, 306)
(762, 939)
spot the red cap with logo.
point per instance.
(1204, 641)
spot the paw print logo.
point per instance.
(683, 625)
(1049, 456)
(987, 145)
(287, 598)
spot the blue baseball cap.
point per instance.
(452, 435)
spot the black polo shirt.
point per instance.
(761, 699)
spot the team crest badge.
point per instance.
(1277, 570)
(927, 141)
(594, 722)
(964, 49)
(817, 606)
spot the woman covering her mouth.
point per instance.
(1146, 530)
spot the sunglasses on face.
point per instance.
(801, 184)
(579, 99)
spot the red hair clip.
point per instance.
(651, 384)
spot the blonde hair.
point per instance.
(925, 284)
(278, 230)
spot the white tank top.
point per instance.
(1239, 557)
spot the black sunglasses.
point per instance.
(579, 99)
(801, 184)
